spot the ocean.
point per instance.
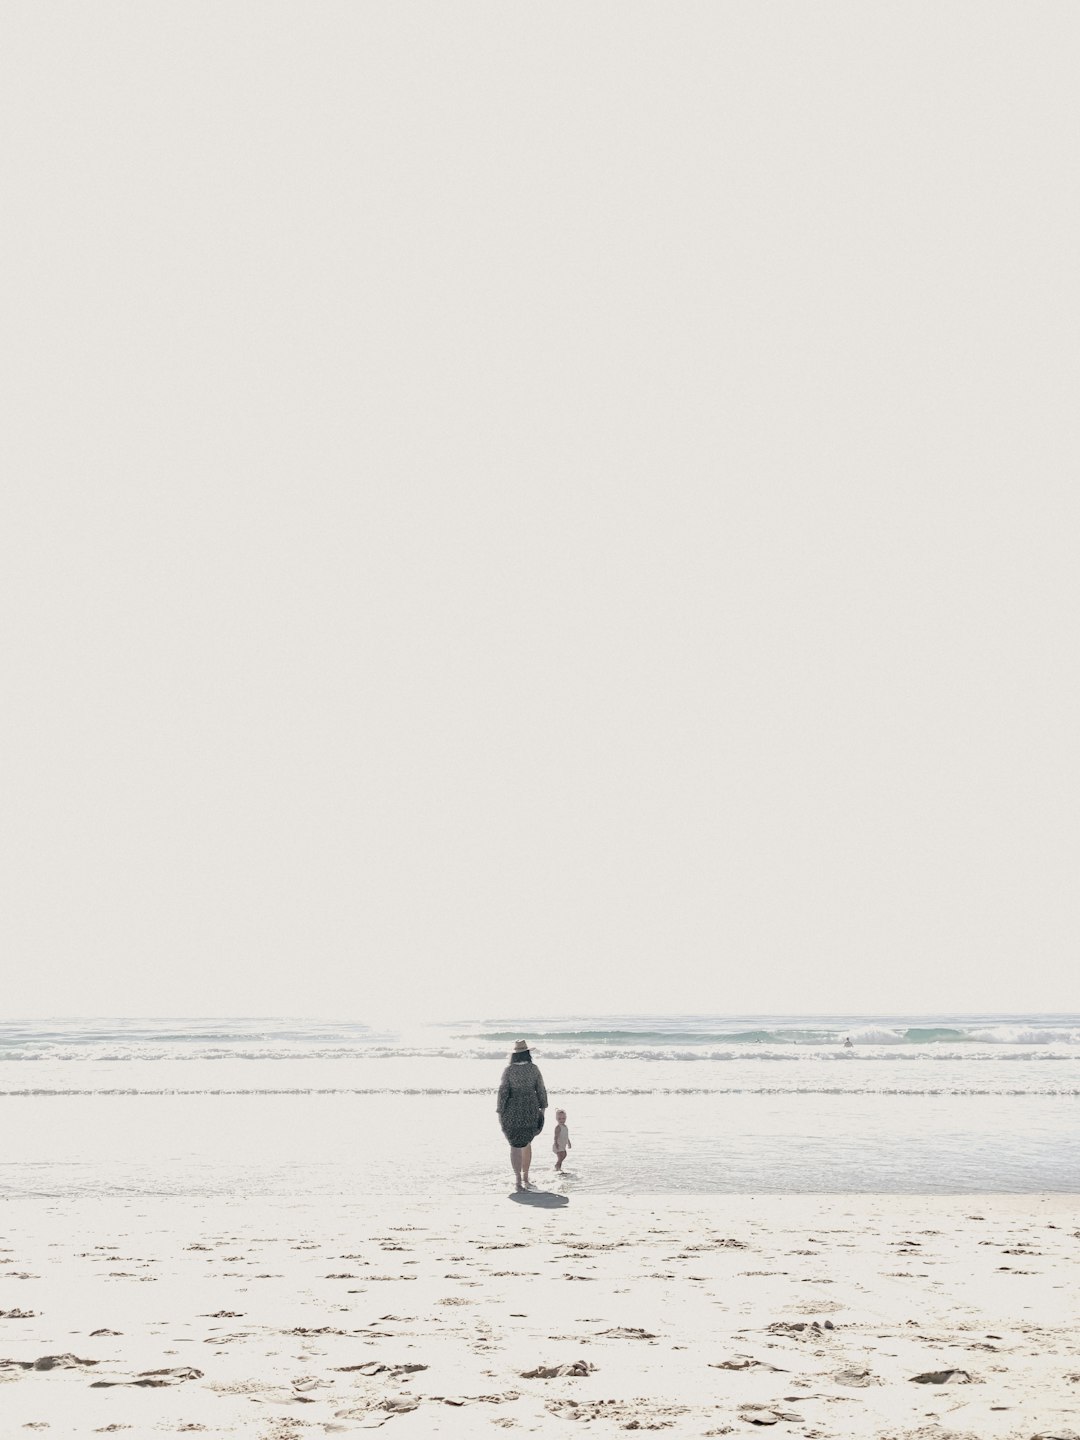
(694, 1104)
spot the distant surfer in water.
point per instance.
(521, 1105)
(847, 1043)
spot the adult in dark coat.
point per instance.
(521, 1105)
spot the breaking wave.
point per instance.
(690, 1039)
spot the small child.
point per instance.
(562, 1138)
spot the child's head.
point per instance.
(560, 1116)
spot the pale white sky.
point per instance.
(515, 507)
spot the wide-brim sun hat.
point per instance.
(521, 1045)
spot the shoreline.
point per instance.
(285, 1319)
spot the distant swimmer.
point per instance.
(847, 1043)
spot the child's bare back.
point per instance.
(562, 1139)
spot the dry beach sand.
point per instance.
(815, 1316)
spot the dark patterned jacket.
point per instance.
(522, 1102)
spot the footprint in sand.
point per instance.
(153, 1379)
(550, 1372)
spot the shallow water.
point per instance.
(303, 1109)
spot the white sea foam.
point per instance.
(564, 1090)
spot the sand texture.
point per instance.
(815, 1316)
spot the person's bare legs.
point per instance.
(526, 1161)
(515, 1161)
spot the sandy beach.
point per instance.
(814, 1315)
